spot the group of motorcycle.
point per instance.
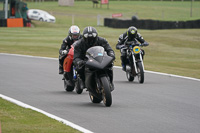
(97, 80)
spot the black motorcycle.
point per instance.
(97, 80)
(134, 65)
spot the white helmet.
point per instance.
(74, 32)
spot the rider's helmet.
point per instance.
(74, 32)
(132, 32)
(90, 35)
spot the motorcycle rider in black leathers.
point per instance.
(130, 35)
(90, 39)
(74, 35)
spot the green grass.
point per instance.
(15, 119)
(174, 51)
(159, 10)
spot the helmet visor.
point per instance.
(75, 37)
(90, 35)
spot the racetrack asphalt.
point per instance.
(163, 104)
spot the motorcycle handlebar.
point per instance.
(132, 43)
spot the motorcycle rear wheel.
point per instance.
(140, 72)
(94, 99)
(106, 92)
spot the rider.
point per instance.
(74, 35)
(130, 35)
(90, 39)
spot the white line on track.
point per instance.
(46, 113)
(166, 74)
(58, 118)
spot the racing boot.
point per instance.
(123, 67)
(123, 60)
(61, 70)
(112, 87)
(110, 74)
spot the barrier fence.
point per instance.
(151, 24)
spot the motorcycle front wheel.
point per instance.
(67, 87)
(94, 99)
(106, 92)
(140, 72)
(129, 77)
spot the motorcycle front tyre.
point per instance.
(78, 87)
(140, 72)
(67, 87)
(129, 76)
(106, 92)
(94, 99)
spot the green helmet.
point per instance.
(132, 32)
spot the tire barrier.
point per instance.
(151, 24)
(3, 23)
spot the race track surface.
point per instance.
(163, 104)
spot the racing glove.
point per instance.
(111, 54)
(120, 46)
(145, 44)
(64, 52)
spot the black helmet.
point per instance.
(74, 32)
(90, 35)
(132, 32)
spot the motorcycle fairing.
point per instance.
(97, 58)
(94, 64)
(68, 60)
(92, 81)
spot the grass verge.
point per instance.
(15, 119)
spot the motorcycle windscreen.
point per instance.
(97, 58)
(95, 51)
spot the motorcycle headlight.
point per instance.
(136, 49)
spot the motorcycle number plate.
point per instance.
(136, 49)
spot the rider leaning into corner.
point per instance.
(73, 35)
(90, 39)
(130, 35)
